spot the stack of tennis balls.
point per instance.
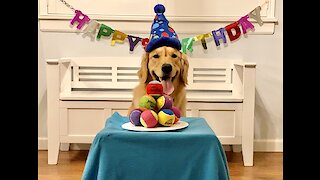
(155, 108)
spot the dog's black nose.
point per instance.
(166, 68)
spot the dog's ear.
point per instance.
(184, 68)
(143, 72)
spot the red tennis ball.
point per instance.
(149, 119)
(155, 89)
(164, 102)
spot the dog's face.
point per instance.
(167, 65)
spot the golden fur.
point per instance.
(150, 69)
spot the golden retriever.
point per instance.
(168, 65)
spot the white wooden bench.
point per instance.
(83, 92)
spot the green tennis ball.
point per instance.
(148, 102)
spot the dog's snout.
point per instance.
(166, 68)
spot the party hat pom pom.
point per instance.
(159, 8)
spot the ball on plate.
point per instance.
(166, 117)
(164, 102)
(176, 119)
(155, 89)
(149, 119)
(176, 111)
(148, 102)
(134, 117)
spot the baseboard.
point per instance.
(42, 143)
(260, 145)
(268, 145)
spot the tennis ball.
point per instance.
(176, 111)
(155, 89)
(166, 117)
(148, 102)
(164, 102)
(149, 118)
(135, 117)
(176, 119)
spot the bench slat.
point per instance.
(104, 85)
(94, 77)
(95, 71)
(210, 78)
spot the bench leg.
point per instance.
(64, 146)
(247, 152)
(53, 152)
(236, 148)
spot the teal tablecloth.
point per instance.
(192, 153)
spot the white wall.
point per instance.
(265, 50)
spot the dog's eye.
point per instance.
(156, 56)
(174, 56)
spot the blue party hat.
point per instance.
(162, 34)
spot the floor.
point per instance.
(267, 166)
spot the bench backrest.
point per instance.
(120, 73)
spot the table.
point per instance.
(192, 153)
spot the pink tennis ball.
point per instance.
(166, 117)
(164, 102)
(176, 111)
(149, 118)
(135, 117)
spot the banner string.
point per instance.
(68, 5)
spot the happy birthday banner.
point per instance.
(232, 30)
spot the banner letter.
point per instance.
(118, 37)
(144, 42)
(187, 44)
(133, 43)
(202, 38)
(80, 21)
(245, 24)
(255, 14)
(104, 31)
(90, 30)
(219, 34)
(233, 26)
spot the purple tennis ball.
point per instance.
(135, 117)
(164, 102)
(176, 111)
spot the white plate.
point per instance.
(178, 125)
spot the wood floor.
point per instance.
(70, 166)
